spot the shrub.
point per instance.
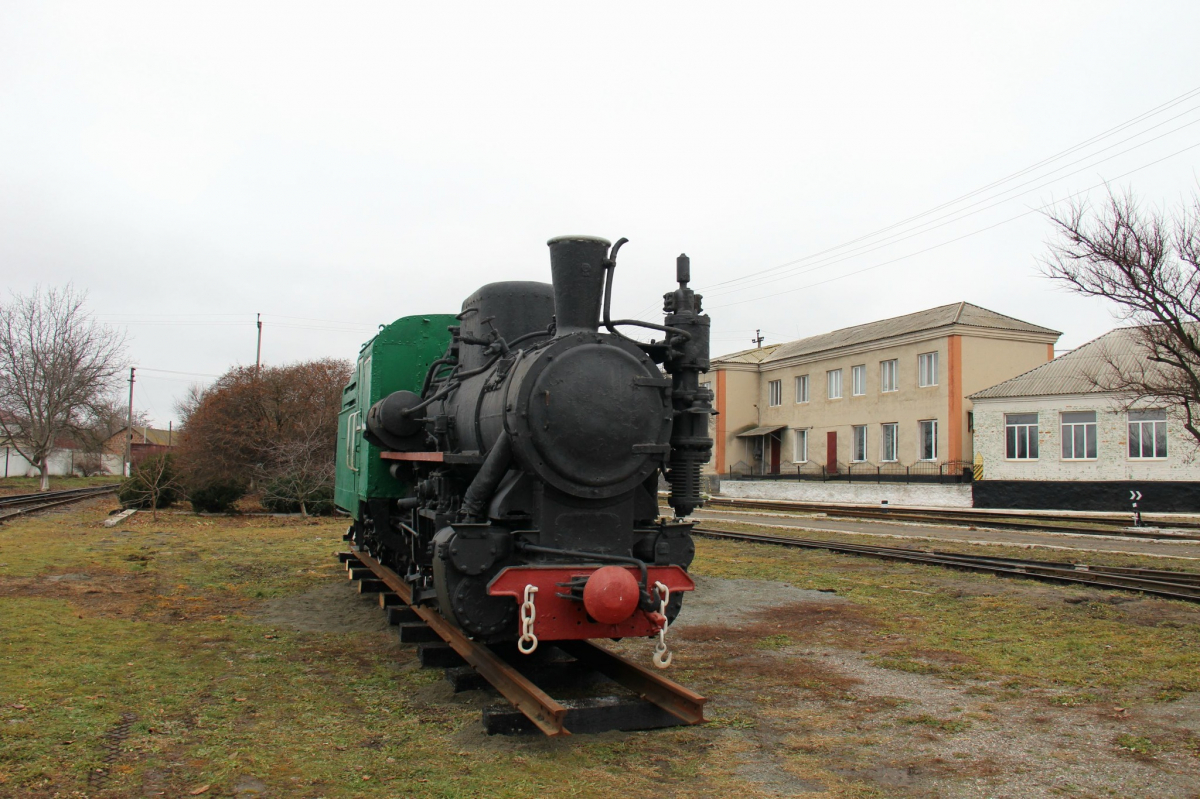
(216, 497)
(152, 484)
(283, 495)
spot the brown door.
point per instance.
(831, 451)
(775, 447)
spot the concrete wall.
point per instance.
(61, 463)
(737, 403)
(988, 361)
(1157, 496)
(899, 494)
(1112, 462)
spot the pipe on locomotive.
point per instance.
(577, 268)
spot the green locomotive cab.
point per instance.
(396, 359)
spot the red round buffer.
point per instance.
(610, 595)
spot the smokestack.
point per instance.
(577, 267)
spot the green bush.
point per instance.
(151, 485)
(283, 495)
(216, 497)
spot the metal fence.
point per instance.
(919, 472)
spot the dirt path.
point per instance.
(787, 673)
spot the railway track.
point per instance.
(22, 504)
(1097, 524)
(660, 703)
(1156, 582)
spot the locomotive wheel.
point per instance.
(481, 614)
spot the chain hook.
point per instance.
(662, 655)
(528, 642)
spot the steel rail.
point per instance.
(1182, 585)
(538, 706)
(1094, 525)
(683, 703)
(535, 703)
(53, 503)
(1187, 578)
(41, 496)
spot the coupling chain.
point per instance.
(528, 641)
(662, 655)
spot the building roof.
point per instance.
(961, 314)
(1083, 370)
(761, 431)
(146, 435)
(756, 355)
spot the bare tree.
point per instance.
(301, 471)
(152, 484)
(1147, 263)
(101, 420)
(55, 362)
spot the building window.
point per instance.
(887, 442)
(1078, 435)
(1148, 434)
(835, 383)
(888, 371)
(928, 438)
(1021, 436)
(800, 446)
(860, 443)
(802, 388)
(775, 392)
(858, 380)
(927, 369)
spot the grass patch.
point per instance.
(134, 650)
(29, 485)
(1136, 744)
(943, 725)
(778, 641)
(929, 620)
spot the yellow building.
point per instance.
(888, 393)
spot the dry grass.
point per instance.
(136, 650)
(29, 485)
(152, 623)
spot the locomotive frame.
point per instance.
(508, 468)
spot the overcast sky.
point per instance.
(338, 166)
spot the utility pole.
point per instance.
(258, 354)
(758, 338)
(129, 428)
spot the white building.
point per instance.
(1052, 438)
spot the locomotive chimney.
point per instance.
(577, 267)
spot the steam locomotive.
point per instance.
(506, 460)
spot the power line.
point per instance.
(957, 238)
(870, 247)
(173, 372)
(1098, 137)
(950, 218)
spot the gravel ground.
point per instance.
(817, 716)
(330, 608)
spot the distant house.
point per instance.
(1053, 438)
(147, 441)
(894, 392)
